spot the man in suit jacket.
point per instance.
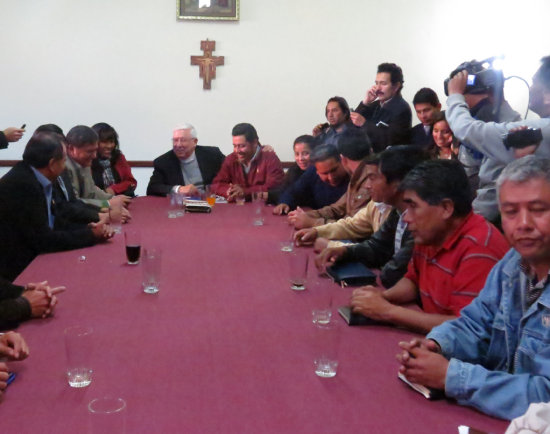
(187, 168)
(427, 106)
(68, 206)
(383, 113)
(28, 225)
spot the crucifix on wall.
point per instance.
(207, 63)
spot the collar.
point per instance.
(189, 159)
(382, 207)
(526, 269)
(74, 163)
(382, 104)
(358, 175)
(258, 150)
(44, 182)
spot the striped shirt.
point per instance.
(450, 276)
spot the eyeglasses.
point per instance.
(182, 140)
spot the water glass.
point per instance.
(297, 266)
(115, 221)
(151, 267)
(107, 415)
(79, 347)
(258, 208)
(322, 292)
(175, 206)
(287, 246)
(326, 342)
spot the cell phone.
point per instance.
(10, 379)
(23, 126)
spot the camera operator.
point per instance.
(486, 137)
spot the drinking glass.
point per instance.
(326, 341)
(322, 292)
(78, 346)
(297, 264)
(151, 267)
(132, 240)
(258, 208)
(210, 195)
(107, 415)
(115, 221)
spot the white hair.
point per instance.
(524, 169)
(189, 127)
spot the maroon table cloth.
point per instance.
(224, 347)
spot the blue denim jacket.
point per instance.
(499, 356)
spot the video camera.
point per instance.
(480, 79)
(522, 138)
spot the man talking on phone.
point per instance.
(11, 134)
(383, 113)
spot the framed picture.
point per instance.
(208, 10)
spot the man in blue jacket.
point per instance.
(321, 184)
(496, 356)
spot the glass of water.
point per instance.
(79, 346)
(107, 415)
(322, 292)
(297, 264)
(151, 265)
(326, 342)
(258, 208)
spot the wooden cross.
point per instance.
(207, 63)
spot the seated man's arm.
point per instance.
(379, 251)
(31, 224)
(396, 267)
(385, 306)
(360, 226)
(157, 185)
(379, 248)
(9, 290)
(293, 195)
(223, 180)
(76, 212)
(301, 219)
(333, 211)
(14, 310)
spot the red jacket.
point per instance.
(127, 180)
(266, 172)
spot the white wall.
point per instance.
(127, 62)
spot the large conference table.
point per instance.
(224, 347)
